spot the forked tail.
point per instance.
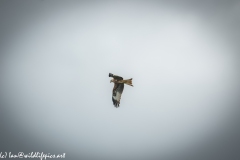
(128, 82)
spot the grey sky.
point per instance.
(183, 57)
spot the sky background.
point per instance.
(183, 56)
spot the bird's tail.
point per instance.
(128, 82)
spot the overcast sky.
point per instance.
(183, 57)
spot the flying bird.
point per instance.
(118, 88)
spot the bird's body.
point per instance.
(118, 88)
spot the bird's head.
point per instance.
(112, 80)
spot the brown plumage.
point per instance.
(118, 88)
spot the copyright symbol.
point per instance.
(20, 154)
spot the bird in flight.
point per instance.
(118, 88)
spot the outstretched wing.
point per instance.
(115, 76)
(117, 93)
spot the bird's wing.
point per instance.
(117, 93)
(115, 76)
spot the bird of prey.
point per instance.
(118, 88)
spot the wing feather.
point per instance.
(117, 93)
(115, 76)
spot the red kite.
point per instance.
(118, 88)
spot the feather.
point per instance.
(117, 93)
(115, 76)
(118, 88)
